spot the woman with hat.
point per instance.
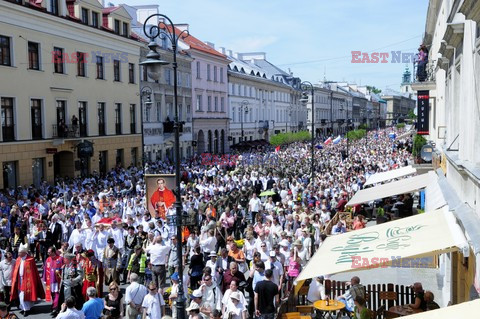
(235, 309)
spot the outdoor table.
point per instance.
(333, 305)
(404, 310)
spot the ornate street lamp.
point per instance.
(304, 100)
(166, 30)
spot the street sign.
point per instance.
(423, 112)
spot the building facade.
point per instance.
(260, 104)
(452, 35)
(78, 65)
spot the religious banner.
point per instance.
(423, 112)
(160, 197)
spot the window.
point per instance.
(208, 73)
(54, 7)
(179, 78)
(133, 119)
(118, 118)
(233, 114)
(38, 171)
(101, 118)
(81, 64)
(199, 102)
(189, 111)
(159, 112)
(222, 104)
(198, 69)
(221, 75)
(209, 103)
(215, 104)
(95, 19)
(10, 174)
(125, 29)
(147, 110)
(5, 51)
(131, 73)
(116, 70)
(215, 73)
(116, 27)
(82, 119)
(168, 76)
(36, 115)
(85, 16)
(33, 56)
(100, 68)
(58, 66)
(7, 119)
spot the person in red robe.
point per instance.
(162, 199)
(52, 272)
(26, 283)
(93, 271)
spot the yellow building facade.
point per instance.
(68, 78)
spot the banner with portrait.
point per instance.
(160, 197)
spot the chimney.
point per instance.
(210, 44)
(230, 53)
(182, 26)
(222, 49)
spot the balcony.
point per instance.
(65, 131)
(424, 76)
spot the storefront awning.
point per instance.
(469, 309)
(400, 243)
(386, 176)
(403, 186)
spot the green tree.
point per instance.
(411, 115)
(374, 89)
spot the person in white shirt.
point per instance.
(235, 308)
(277, 269)
(316, 290)
(158, 258)
(212, 295)
(68, 310)
(208, 244)
(99, 241)
(254, 205)
(6, 272)
(153, 304)
(134, 297)
(77, 236)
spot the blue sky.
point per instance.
(309, 37)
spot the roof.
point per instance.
(109, 10)
(196, 44)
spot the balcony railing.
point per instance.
(424, 73)
(264, 124)
(65, 131)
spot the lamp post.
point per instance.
(290, 109)
(243, 111)
(145, 100)
(304, 100)
(348, 128)
(166, 30)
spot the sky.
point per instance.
(314, 39)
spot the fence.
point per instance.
(333, 289)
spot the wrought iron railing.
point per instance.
(65, 131)
(424, 72)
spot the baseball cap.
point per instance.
(272, 254)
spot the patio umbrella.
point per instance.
(267, 193)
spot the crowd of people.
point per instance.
(92, 235)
